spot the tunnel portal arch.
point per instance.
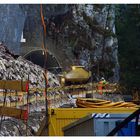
(37, 57)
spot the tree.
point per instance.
(128, 32)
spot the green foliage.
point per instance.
(128, 32)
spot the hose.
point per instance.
(102, 104)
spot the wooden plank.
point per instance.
(13, 94)
(23, 102)
(17, 85)
(12, 112)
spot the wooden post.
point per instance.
(5, 92)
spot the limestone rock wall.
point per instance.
(90, 33)
(12, 20)
(85, 34)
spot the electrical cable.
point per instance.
(45, 70)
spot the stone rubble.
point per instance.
(19, 69)
(12, 68)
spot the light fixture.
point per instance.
(73, 67)
(62, 80)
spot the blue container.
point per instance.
(104, 125)
(99, 124)
(128, 130)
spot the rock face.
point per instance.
(11, 25)
(91, 33)
(83, 33)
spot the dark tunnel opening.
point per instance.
(38, 58)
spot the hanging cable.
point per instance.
(45, 70)
(44, 28)
(42, 19)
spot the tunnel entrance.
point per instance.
(37, 57)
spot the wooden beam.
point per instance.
(12, 112)
(13, 94)
(17, 85)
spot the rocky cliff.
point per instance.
(87, 34)
(82, 34)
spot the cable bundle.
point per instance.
(97, 103)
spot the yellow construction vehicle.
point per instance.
(77, 75)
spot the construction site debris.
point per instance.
(17, 68)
